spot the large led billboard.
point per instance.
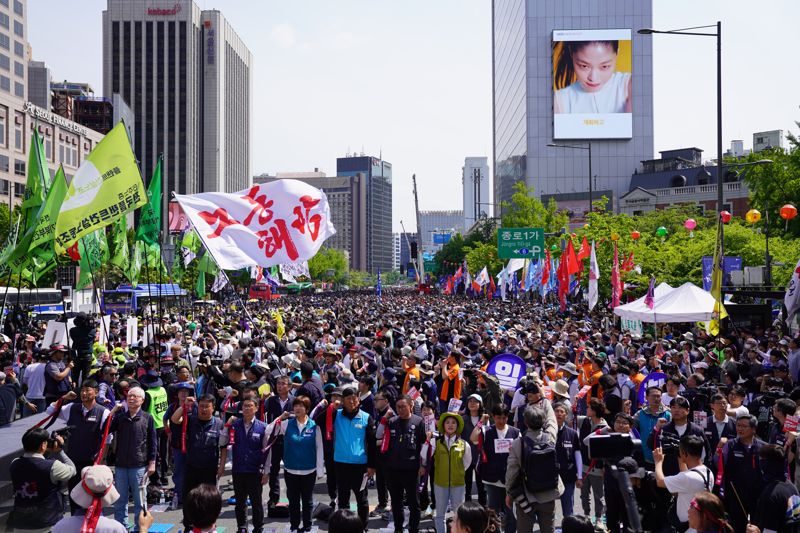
(592, 84)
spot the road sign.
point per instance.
(524, 243)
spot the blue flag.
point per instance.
(379, 287)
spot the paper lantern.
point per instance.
(788, 212)
(726, 216)
(662, 232)
(586, 226)
(690, 224)
(574, 235)
(635, 235)
(753, 216)
(615, 236)
(554, 248)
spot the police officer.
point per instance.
(87, 420)
(493, 443)
(249, 440)
(205, 435)
(401, 449)
(37, 497)
(156, 403)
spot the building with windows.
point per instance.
(347, 199)
(186, 75)
(377, 176)
(396, 252)
(436, 228)
(475, 186)
(523, 118)
(65, 142)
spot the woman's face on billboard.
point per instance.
(594, 65)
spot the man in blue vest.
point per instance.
(87, 420)
(249, 473)
(37, 496)
(354, 452)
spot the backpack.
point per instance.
(539, 465)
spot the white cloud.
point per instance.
(283, 35)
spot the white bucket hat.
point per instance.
(97, 480)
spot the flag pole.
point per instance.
(96, 294)
(238, 297)
(160, 237)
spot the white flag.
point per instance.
(188, 255)
(284, 221)
(291, 271)
(503, 275)
(483, 277)
(792, 298)
(219, 282)
(594, 275)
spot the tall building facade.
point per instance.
(186, 76)
(436, 228)
(377, 174)
(476, 191)
(523, 88)
(396, 251)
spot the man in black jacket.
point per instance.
(669, 434)
(82, 335)
(402, 448)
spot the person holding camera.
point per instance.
(86, 420)
(82, 334)
(693, 477)
(38, 502)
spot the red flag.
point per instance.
(73, 253)
(476, 287)
(616, 282)
(492, 288)
(563, 282)
(459, 272)
(585, 250)
(573, 264)
(546, 268)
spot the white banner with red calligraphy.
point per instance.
(274, 223)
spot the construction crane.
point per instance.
(423, 287)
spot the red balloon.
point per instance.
(635, 235)
(726, 216)
(788, 212)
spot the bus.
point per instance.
(47, 300)
(128, 299)
(262, 291)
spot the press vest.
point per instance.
(158, 405)
(300, 447)
(448, 463)
(350, 445)
(494, 469)
(406, 440)
(87, 432)
(248, 455)
(202, 442)
(37, 500)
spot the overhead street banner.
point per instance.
(520, 243)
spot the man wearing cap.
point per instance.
(56, 374)
(87, 420)
(156, 403)
(354, 452)
(82, 335)
(36, 482)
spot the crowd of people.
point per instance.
(400, 396)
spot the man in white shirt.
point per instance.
(33, 385)
(693, 477)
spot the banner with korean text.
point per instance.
(284, 221)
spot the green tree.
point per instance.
(358, 279)
(392, 278)
(773, 185)
(483, 255)
(328, 265)
(526, 211)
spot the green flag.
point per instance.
(150, 219)
(135, 263)
(200, 288)
(191, 241)
(91, 251)
(119, 236)
(38, 180)
(153, 260)
(207, 264)
(106, 186)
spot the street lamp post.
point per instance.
(588, 147)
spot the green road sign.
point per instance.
(430, 266)
(524, 243)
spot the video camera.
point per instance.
(62, 432)
(613, 446)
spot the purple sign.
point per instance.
(508, 368)
(653, 379)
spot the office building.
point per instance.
(475, 185)
(437, 227)
(347, 198)
(396, 252)
(524, 123)
(406, 258)
(186, 75)
(39, 84)
(765, 140)
(377, 175)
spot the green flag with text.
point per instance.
(150, 217)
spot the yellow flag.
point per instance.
(716, 283)
(281, 328)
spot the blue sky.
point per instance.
(412, 79)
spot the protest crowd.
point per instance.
(460, 414)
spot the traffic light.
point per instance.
(414, 250)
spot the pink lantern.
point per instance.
(690, 224)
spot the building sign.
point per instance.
(520, 243)
(592, 84)
(164, 11)
(57, 120)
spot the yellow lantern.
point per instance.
(753, 216)
(615, 236)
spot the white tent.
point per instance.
(687, 303)
(638, 306)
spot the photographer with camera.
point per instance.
(693, 477)
(38, 501)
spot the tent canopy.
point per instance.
(638, 305)
(687, 303)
